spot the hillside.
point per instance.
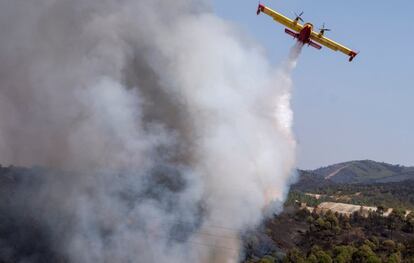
(290, 236)
(349, 233)
(362, 172)
(301, 236)
(365, 183)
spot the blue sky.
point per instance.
(344, 111)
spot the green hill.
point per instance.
(365, 171)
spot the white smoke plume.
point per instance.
(168, 132)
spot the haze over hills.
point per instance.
(359, 172)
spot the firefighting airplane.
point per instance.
(304, 33)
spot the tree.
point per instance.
(343, 254)
(332, 219)
(389, 245)
(381, 210)
(356, 217)
(342, 259)
(365, 255)
(301, 214)
(400, 247)
(370, 244)
(323, 257)
(375, 241)
(399, 213)
(320, 255)
(395, 220)
(320, 223)
(312, 259)
(315, 249)
(294, 256)
(409, 223)
(346, 222)
(394, 258)
(392, 222)
(409, 247)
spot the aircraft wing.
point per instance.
(321, 39)
(294, 25)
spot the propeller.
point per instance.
(299, 17)
(323, 29)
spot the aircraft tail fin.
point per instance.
(352, 55)
(260, 8)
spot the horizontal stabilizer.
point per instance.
(313, 44)
(293, 34)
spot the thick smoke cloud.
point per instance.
(166, 133)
